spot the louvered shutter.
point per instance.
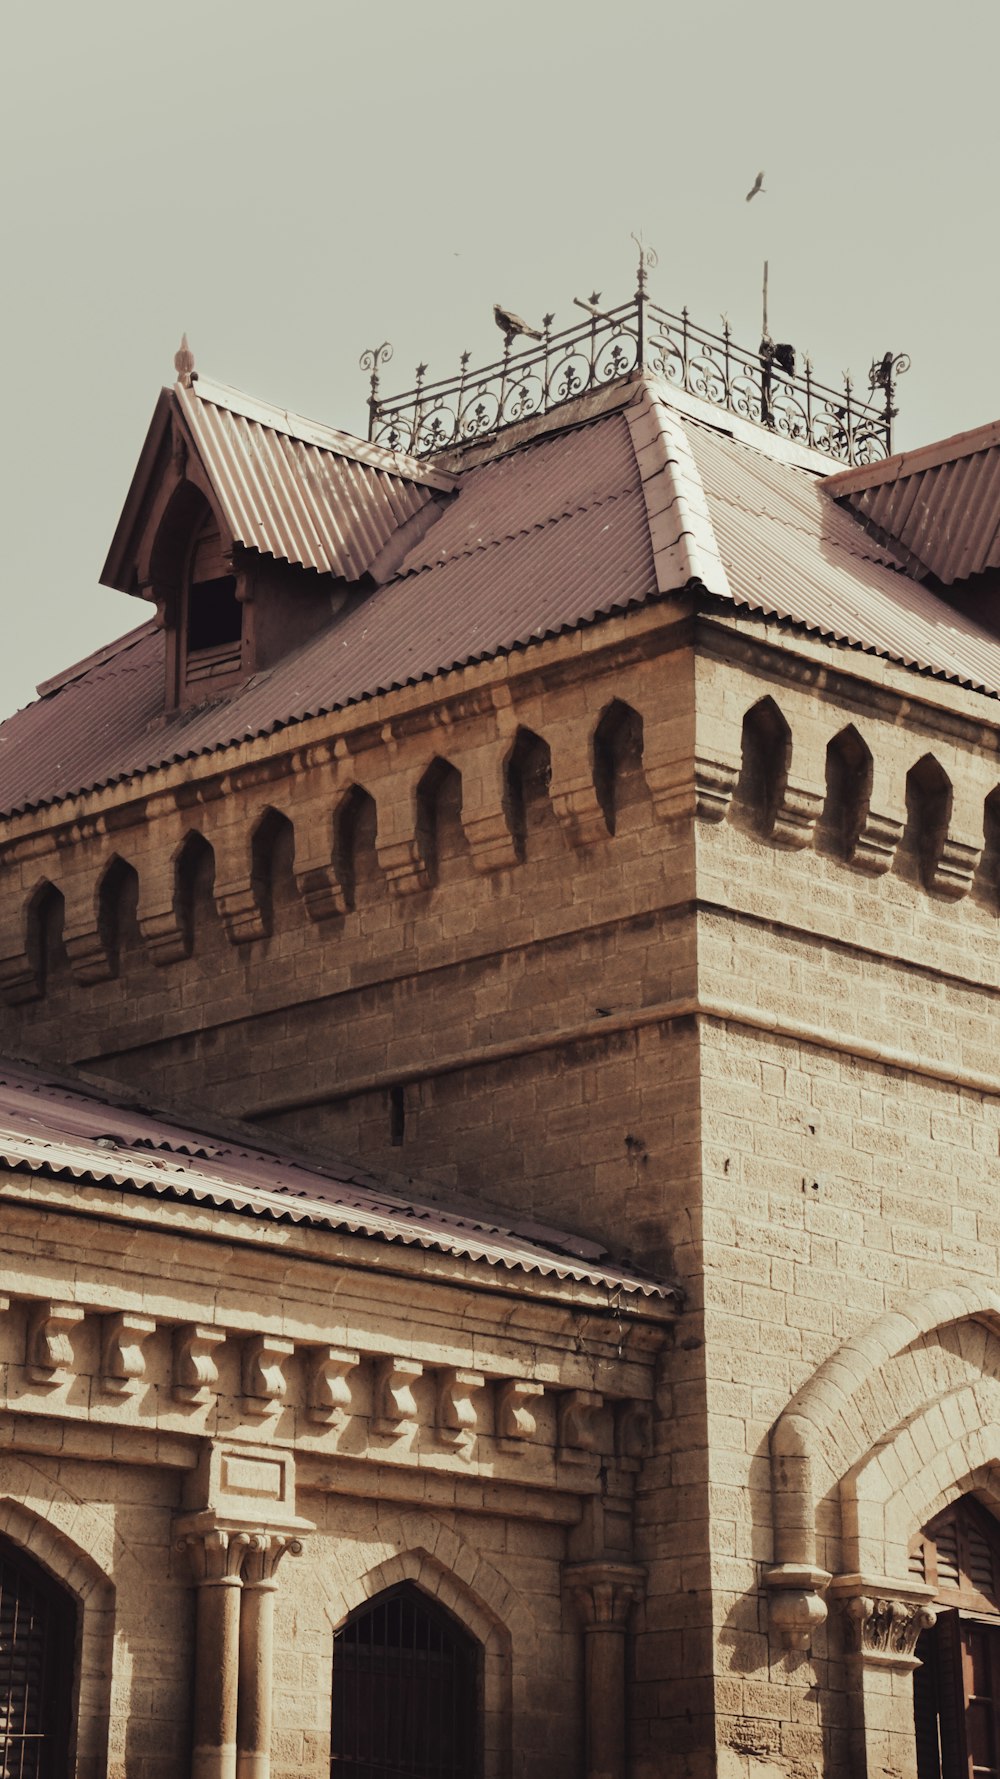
(949, 1569)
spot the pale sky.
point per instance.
(292, 183)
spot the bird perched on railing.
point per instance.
(511, 325)
(758, 185)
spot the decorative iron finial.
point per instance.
(648, 261)
(371, 360)
(882, 375)
(184, 363)
(885, 370)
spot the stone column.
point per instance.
(216, 1557)
(882, 1621)
(256, 1643)
(604, 1593)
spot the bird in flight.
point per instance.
(511, 325)
(758, 185)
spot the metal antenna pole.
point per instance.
(765, 299)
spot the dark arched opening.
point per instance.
(767, 749)
(37, 1638)
(194, 887)
(272, 867)
(440, 833)
(405, 1692)
(956, 1689)
(527, 773)
(618, 775)
(46, 948)
(355, 859)
(928, 812)
(849, 768)
(118, 911)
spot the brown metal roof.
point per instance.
(552, 535)
(940, 505)
(287, 487)
(792, 553)
(536, 561)
(72, 1130)
(308, 499)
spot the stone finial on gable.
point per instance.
(184, 363)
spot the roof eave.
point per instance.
(113, 574)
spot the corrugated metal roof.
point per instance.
(792, 553)
(500, 585)
(295, 498)
(286, 486)
(70, 1130)
(944, 515)
(549, 536)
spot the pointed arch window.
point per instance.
(405, 1692)
(956, 1689)
(37, 1636)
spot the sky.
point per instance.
(291, 184)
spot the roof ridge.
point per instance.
(681, 533)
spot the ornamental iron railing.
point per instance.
(765, 386)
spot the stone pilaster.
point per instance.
(604, 1592)
(216, 1555)
(256, 1651)
(882, 1621)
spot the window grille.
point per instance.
(37, 1622)
(405, 1692)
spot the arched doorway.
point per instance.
(956, 1690)
(405, 1692)
(37, 1637)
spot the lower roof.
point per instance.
(67, 1128)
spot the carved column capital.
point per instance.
(216, 1554)
(604, 1592)
(263, 1554)
(883, 1619)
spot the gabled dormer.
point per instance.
(249, 528)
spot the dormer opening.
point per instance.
(201, 593)
(211, 611)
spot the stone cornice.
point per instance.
(614, 1325)
(851, 677)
